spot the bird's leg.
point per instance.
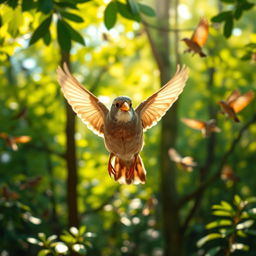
(111, 170)
(130, 174)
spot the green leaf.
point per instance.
(237, 200)
(228, 27)
(245, 224)
(218, 223)
(41, 30)
(75, 36)
(226, 205)
(147, 10)
(45, 6)
(110, 15)
(134, 6)
(247, 6)
(12, 3)
(222, 213)
(239, 246)
(47, 38)
(208, 238)
(67, 4)
(27, 5)
(72, 16)
(221, 16)
(241, 233)
(44, 252)
(251, 232)
(213, 251)
(82, 230)
(63, 36)
(125, 11)
(42, 237)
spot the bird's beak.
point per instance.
(125, 107)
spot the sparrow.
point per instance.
(199, 38)
(205, 127)
(12, 141)
(122, 126)
(186, 162)
(235, 103)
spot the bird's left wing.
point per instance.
(200, 35)
(153, 109)
(84, 103)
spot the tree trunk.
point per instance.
(171, 221)
(70, 156)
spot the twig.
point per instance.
(164, 29)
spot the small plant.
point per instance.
(234, 223)
(72, 241)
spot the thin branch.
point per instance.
(165, 29)
(102, 205)
(224, 159)
(153, 46)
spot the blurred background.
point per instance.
(56, 197)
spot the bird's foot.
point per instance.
(111, 169)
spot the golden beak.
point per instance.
(125, 107)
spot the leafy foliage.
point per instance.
(231, 226)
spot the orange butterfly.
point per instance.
(186, 162)
(235, 103)
(205, 127)
(199, 38)
(12, 141)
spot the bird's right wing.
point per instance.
(201, 33)
(84, 103)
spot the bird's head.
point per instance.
(186, 40)
(121, 109)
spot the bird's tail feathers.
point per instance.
(128, 172)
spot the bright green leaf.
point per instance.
(222, 213)
(208, 238)
(245, 224)
(221, 16)
(44, 252)
(219, 223)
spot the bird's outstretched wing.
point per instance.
(193, 123)
(242, 101)
(84, 103)
(153, 109)
(201, 33)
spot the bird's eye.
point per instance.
(117, 105)
(130, 105)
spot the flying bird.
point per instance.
(199, 38)
(235, 103)
(122, 126)
(12, 142)
(186, 162)
(205, 127)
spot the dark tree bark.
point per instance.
(70, 156)
(160, 45)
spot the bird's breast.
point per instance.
(123, 139)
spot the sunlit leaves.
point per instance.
(131, 10)
(41, 30)
(233, 221)
(228, 17)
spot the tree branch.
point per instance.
(203, 186)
